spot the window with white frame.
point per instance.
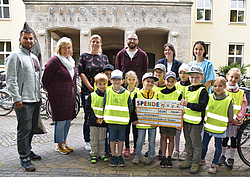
(204, 10)
(5, 50)
(237, 11)
(207, 46)
(235, 54)
(4, 9)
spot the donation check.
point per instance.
(165, 113)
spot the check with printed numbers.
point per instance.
(165, 113)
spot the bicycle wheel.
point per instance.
(78, 101)
(6, 103)
(48, 109)
(44, 99)
(243, 143)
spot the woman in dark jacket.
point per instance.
(59, 79)
(170, 62)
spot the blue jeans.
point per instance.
(218, 147)
(61, 130)
(141, 139)
(86, 130)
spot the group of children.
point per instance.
(218, 115)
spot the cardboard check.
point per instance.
(165, 113)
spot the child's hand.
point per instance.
(184, 102)
(234, 121)
(178, 128)
(99, 120)
(135, 122)
(153, 126)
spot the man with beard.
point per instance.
(132, 58)
(23, 82)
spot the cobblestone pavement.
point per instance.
(77, 163)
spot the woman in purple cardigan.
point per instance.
(59, 79)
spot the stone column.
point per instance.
(84, 41)
(47, 54)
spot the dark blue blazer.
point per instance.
(175, 66)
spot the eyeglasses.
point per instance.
(132, 39)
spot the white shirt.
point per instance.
(131, 54)
(169, 66)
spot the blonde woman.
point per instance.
(59, 79)
(90, 64)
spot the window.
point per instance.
(5, 50)
(237, 11)
(235, 54)
(207, 46)
(204, 10)
(4, 9)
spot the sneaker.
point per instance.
(194, 168)
(104, 158)
(127, 152)
(202, 162)
(27, 165)
(160, 155)
(175, 155)
(163, 162)
(62, 149)
(148, 160)
(183, 156)
(169, 162)
(213, 169)
(185, 165)
(121, 162)
(87, 146)
(136, 159)
(93, 159)
(69, 148)
(34, 156)
(146, 154)
(112, 162)
(134, 151)
(229, 162)
(222, 160)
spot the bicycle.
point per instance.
(6, 102)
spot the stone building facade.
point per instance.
(156, 22)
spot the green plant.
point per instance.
(225, 69)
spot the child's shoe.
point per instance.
(213, 169)
(169, 162)
(194, 168)
(202, 162)
(163, 162)
(175, 155)
(183, 156)
(185, 165)
(112, 162)
(127, 152)
(104, 158)
(136, 159)
(229, 162)
(121, 162)
(93, 159)
(148, 160)
(160, 155)
(222, 160)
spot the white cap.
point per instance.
(116, 74)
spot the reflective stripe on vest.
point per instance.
(217, 115)
(145, 126)
(116, 108)
(97, 104)
(190, 116)
(237, 100)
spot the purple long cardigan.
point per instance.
(61, 90)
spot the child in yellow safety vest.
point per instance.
(240, 105)
(94, 111)
(195, 103)
(219, 113)
(146, 92)
(131, 83)
(181, 85)
(168, 133)
(117, 106)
